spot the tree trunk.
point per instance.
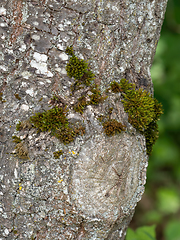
(91, 190)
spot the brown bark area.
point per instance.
(91, 191)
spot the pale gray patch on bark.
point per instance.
(92, 190)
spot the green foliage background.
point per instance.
(161, 202)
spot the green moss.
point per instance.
(112, 127)
(126, 86)
(55, 121)
(57, 154)
(78, 69)
(50, 120)
(16, 139)
(115, 87)
(140, 106)
(82, 103)
(144, 111)
(65, 134)
(69, 51)
(96, 96)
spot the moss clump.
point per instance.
(151, 133)
(96, 96)
(126, 86)
(78, 69)
(144, 111)
(57, 154)
(50, 120)
(140, 106)
(16, 139)
(115, 87)
(112, 126)
(69, 51)
(82, 103)
(22, 151)
(65, 134)
(23, 125)
(56, 122)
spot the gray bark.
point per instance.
(79, 195)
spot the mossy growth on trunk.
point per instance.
(143, 110)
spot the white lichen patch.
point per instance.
(39, 62)
(35, 37)
(22, 48)
(63, 56)
(26, 75)
(3, 68)
(2, 11)
(40, 57)
(24, 107)
(61, 27)
(60, 47)
(30, 92)
(61, 70)
(35, 23)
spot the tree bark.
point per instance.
(91, 191)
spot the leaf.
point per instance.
(142, 233)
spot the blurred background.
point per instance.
(160, 204)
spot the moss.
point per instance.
(23, 125)
(96, 96)
(50, 120)
(144, 111)
(140, 106)
(78, 69)
(82, 103)
(22, 151)
(65, 134)
(112, 126)
(55, 121)
(79, 130)
(126, 86)
(69, 51)
(115, 87)
(16, 139)
(17, 96)
(57, 154)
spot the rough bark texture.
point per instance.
(81, 195)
